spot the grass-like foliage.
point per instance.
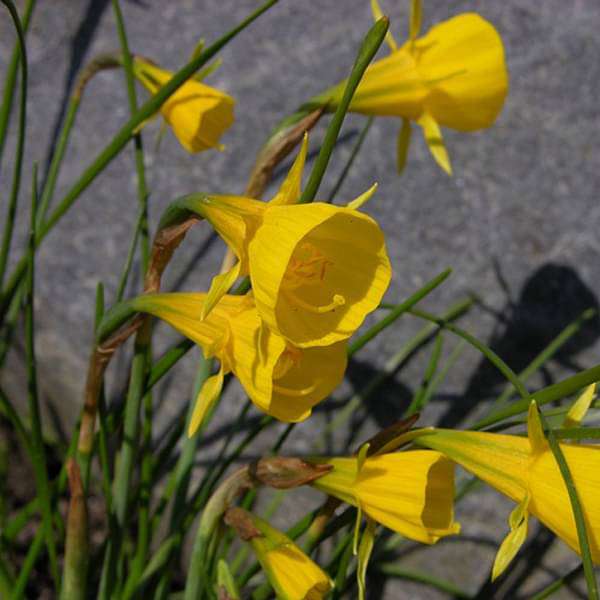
(123, 509)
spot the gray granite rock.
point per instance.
(518, 222)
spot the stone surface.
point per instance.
(518, 223)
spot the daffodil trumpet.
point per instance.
(411, 492)
(454, 76)
(525, 470)
(197, 113)
(281, 379)
(316, 269)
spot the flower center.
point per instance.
(289, 359)
(308, 267)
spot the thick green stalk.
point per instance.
(120, 140)
(38, 454)
(124, 471)
(11, 78)
(77, 539)
(367, 51)
(16, 181)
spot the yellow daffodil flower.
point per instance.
(293, 575)
(316, 269)
(411, 492)
(525, 470)
(454, 76)
(282, 380)
(197, 113)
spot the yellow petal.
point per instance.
(456, 72)
(234, 218)
(317, 270)
(219, 286)
(293, 575)
(402, 145)
(550, 501)
(377, 14)
(289, 192)
(197, 113)
(502, 461)
(208, 395)
(514, 540)
(580, 407)
(363, 198)
(411, 492)
(182, 311)
(435, 143)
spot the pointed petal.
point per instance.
(416, 14)
(537, 439)
(206, 399)
(364, 554)
(580, 407)
(433, 137)
(377, 14)
(361, 457)
(364, 197)
(514, 540)
(403, 145)
(289, 192)
(219, 286)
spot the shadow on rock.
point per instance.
(553, 297)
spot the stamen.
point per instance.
(338, 300)
(290, 392)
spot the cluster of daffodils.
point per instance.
(315, 272)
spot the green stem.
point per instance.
(485, 350)
(57, 158)
(580, 525)
(351, 159)
(121, 139)
(37, 441)
(30, 559)
(367, 51)
(546, 354)
(142, 218)
(137, 138)
(551, 393)
(556, 585)
(11, 78)
(16, 181)
(392, 570)
(397, 312)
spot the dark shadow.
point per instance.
(384, 398)
(552, 298)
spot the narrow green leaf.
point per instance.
(584, 545)
(367, 51)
